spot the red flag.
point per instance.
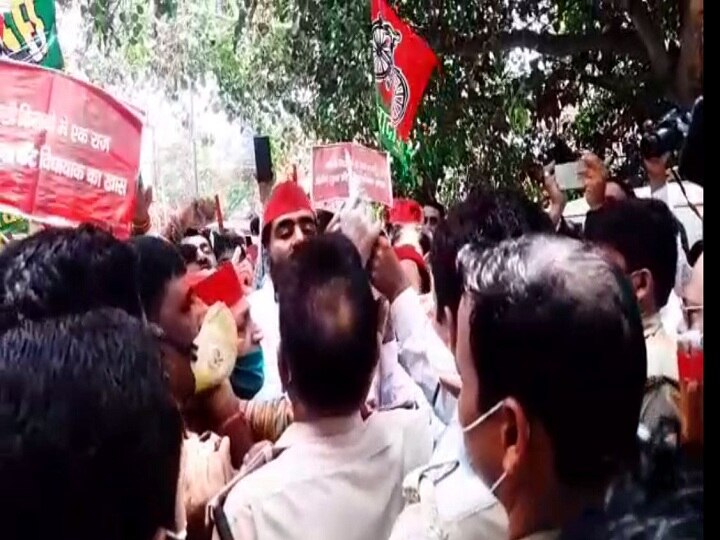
(403, 64)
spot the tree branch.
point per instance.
(615, 85)
(652, 37)
(246, 14)
(617, 41)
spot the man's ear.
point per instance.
(643, 285)
(515, 435)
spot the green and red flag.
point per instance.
(28, 32)
(403, 63)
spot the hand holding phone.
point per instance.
(570, 175)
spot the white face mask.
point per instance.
(464, 457)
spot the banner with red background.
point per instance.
(345, 168)
(69, 151)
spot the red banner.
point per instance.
(342, 169)
(331, 173)
(403, 63)
(69, 152)
(371, 171)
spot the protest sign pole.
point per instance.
(192, 139)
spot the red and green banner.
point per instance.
(403, 63)
(69, 152)
(28, 32)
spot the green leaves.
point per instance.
(301, 72)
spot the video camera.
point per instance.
(679, 131)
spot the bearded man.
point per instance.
(289, 220)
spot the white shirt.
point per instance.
(672, 315)
(338, 478)
(392, 387)
(672, 196)
(661, 349)
(422, 353)
(265, 314)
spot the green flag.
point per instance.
(401, 150)
(28, 32)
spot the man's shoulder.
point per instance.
(410, 421)
(268, 480)
(489, 523)
(411, 428)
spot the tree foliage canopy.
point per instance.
(300, 70)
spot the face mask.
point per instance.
(216, 348)
(464, 457)
(248, 375)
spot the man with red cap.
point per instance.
(406, 220)
(289, 219)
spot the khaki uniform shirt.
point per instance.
(423, 519)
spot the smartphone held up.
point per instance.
(570, 175)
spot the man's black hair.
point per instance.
(159, 262)
(437, 206)
(556, 326)
(90, 436)
(695, 251)
(188, 253)
(661, 500)
(189, 233)
(224, 245)
(255, 226)
(644, 232)
(328, 325)
(485, 217)
(324, 218)
(624, 186)
(62, 271)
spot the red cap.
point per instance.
(222, 285)
(286, 198)
(405, 212)
(409, 253)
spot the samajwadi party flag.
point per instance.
(403, 63)
(28, 32)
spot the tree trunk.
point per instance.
(689, 69)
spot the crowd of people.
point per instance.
(486, 372)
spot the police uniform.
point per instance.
(422, 518)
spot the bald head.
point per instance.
(328, 326)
